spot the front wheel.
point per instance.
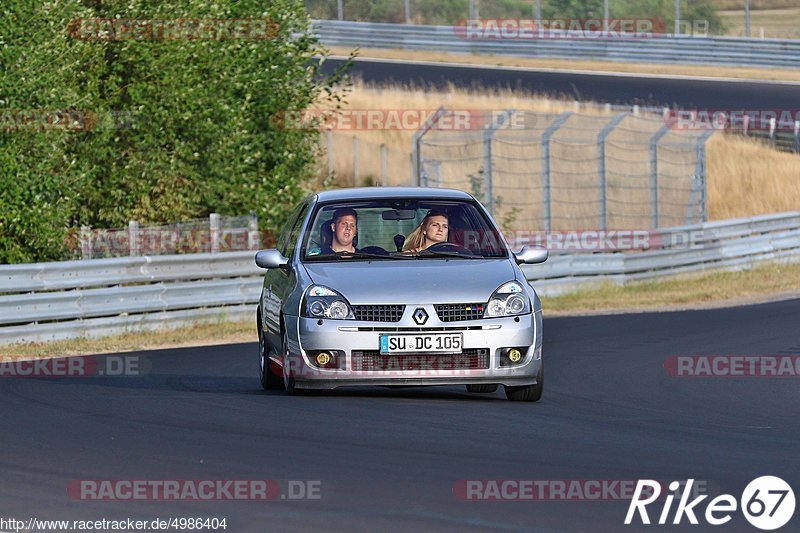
(527, 393)
(269, 381)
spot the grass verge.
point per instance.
(745, 176)
(712, 289)
(709, 289)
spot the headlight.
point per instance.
(508, 300)
(322, 302)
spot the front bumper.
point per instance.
(354, 338)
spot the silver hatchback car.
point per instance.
(398, 286)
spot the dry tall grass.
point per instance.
(745, 177)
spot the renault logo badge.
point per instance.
(420, 316)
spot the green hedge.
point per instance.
(179, 128)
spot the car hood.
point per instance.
(411, 281)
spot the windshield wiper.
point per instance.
(354, 255)
(437, 253)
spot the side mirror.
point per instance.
(271, 258)
(531, 255)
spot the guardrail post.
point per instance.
(252, 232)
(416, 148)
(408, 11)
(384, 163)
(546, 136)
(488, 135)
(654, 174)
(86, 242)
(340, 9)
(133, 238)
(213, 226)
(601, 165)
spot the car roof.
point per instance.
(370, 193)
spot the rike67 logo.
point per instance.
(767, 503)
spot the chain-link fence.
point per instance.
(203, 235)
(546, 171)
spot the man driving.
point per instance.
(344, 229)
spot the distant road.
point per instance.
(612, 88)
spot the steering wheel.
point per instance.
(449, 247)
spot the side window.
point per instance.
(286, 229)
(291, 242)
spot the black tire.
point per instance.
(482, 388)
(289, 383)
(527, 393)
(269, 381)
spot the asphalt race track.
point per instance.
(388, 459)
(685, 93)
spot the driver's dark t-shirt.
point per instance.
(325, 250)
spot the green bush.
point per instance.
(181, 127)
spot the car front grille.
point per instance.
(456, 312)
(372, 360)
(379, 313)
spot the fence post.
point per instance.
(488, 135)
(213, 227)
(329, 139)
(797, 136)
(546, 136)
(384, 163)
(699, 180)
(746, 125)
(654, 174)
(355, 161)
(133, 238)
(601, 166)
(416, 148)
(252, 232)
(772, 124)
(86, 242)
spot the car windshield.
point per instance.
(400, 229)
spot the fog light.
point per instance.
(514, 355)
(323, 358)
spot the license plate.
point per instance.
(422, 343)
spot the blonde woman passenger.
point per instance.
(432, 230)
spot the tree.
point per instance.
(177, 127)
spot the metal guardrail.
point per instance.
(48, 301)
(658, 48)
